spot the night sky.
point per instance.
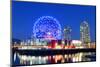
(24, 15)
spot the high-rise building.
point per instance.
(67, 33)
(84, 32)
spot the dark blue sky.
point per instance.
(24, 14)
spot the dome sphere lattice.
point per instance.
(47, 27)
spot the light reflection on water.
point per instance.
(67, 58)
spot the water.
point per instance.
(66, 58)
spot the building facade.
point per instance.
(67, 33)
(84, 32)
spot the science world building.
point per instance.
(47, 27)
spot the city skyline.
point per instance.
(25, 15)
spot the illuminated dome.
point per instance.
(47, 27)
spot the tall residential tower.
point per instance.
(67, 33)
(84, 32)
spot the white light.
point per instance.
(14, 56)
(76, 42)
(23, 57)
(48, 33)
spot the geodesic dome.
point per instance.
(47, 27)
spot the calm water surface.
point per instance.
(66, 58)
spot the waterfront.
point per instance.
(19, 60)
(52, 35)
(26, 55)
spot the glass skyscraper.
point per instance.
(84, 32)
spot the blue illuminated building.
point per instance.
(47, 27)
